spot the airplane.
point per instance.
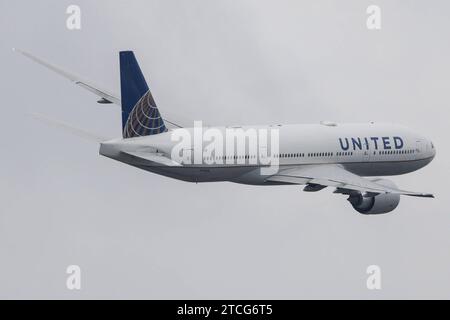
(351, 158)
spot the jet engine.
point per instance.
(379, 204)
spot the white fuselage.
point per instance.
(366, 149)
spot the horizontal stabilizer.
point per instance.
(82, 133)
(154, 157)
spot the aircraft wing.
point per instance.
(106, 97)
(316, 177)
(158, 158)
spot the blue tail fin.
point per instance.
(140, 115)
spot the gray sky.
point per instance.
(138, 235)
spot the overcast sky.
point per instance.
(138, 235)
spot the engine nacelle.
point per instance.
(379, 204)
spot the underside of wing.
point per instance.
(316, 177)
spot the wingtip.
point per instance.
(17, 50)
(423, 195)
(427, 195)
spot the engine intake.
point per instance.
(379, 204)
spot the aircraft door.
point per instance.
(420, 146)
(366, 151)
